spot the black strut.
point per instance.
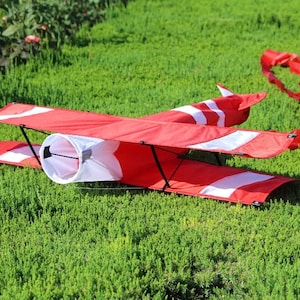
(22, 127)
(158, 164)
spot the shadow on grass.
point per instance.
(289, 193)
(113, 188)
(190, 289)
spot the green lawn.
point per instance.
(63, 242)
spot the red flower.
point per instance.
(32, 39)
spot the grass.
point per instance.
(62, 242)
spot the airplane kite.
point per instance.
(151, 151)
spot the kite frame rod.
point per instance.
(219, 162)
(158, 164)
(159, 167)
(22, 127)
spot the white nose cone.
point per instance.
(68, 158)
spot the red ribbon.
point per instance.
(271, 58)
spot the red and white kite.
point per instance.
(150, 151)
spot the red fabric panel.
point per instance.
(171, 116)
(192, 177)
(189, 177)
(18, 154)
(266, 144)
(178, 135)
(184, 176)
(55, 119)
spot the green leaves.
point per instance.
(11, 29)
(53, 22)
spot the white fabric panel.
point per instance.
(227, 143)
(62, 167)
(214, 107)
(79, 159)
(31, 112)
(196, 113)
(226, 186)
(19, 154)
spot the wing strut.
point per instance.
(218, 159)
(158, 165)
(22, 127)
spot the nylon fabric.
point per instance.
(102, 147)
(184, 176)
(230, 110)
(133, 161)
(167, 134)
(18, 154)
(270, 59)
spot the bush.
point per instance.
(26, 26)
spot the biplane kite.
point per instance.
(151, 151)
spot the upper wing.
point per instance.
(248, 143)
(52, 119)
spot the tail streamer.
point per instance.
(271, 58)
